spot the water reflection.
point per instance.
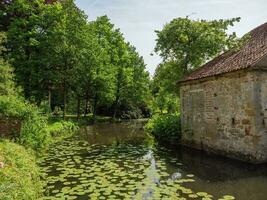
(120, 161)
(214, 174)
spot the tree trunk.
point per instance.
(94, 111)
(117, 98)
(115, 108)
(86, 107)
(49, 99)
(78, 107)
(64, 102)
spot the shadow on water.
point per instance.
(219, 175)
(216, 174)
(215, 168)
(121, 161)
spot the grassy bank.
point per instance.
(19, 174)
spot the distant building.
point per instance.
(224, 103)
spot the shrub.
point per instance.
(62, 129)
(165, 127)
(19, 174)
(34, 132)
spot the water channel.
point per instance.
(120, 161)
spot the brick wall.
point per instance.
(9, 128)
(226, 115)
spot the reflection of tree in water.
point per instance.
(118, 133)
(121, 153)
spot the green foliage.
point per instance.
(62, 129)
(190, 43)
(165, 102)
(35, 133)
(61, 58)
(7, 85)
(184, 45)
(166, 76)
(26, 32)
(20, 176)
(165, 127)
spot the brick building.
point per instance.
(224, 103)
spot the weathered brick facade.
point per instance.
(224, 102)
(227, 114)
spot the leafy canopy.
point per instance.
(184, 45)
(190, 43)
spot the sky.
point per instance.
(138, 19)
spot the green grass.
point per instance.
(20, 177)
(62, 129)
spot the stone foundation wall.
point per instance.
(227, 115)
(9, 128)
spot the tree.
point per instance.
(164, 88)
(93, 78)
(190, 43)
(7, 86)
(26, 32)
(61, 58)
(136, 93)
(66, 46)
(185, 45)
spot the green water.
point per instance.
(119, 161)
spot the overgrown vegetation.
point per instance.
(165, 127)
(36, 133)
(19, 174)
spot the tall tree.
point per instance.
(67, 45)
(25, 34)
(190, 43)
(103, 84)
(92, 79)
(7, 86)
(185, 45)
(135, 83)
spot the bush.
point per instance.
(35, 132)
(19, 174)
(62, 129)
(165, 127)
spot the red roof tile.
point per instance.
(253, 51)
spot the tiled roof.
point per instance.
(253, 51)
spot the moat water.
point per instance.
(120, 161)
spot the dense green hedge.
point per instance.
(19, 175)
(165, 127)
